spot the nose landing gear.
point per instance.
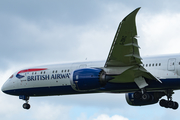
(25, 105)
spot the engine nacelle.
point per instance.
(88, 79)
(153, 98)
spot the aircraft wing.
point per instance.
(125, 50)
(124, 53)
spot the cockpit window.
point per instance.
(11, 76)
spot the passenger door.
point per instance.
(171, 64)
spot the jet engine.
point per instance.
(89, 79)
(146, 99)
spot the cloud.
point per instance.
(102, 117)
(106, 117)
(159, 33)
(47, 111)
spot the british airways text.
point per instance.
(48, 77)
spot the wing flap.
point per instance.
(130, 74)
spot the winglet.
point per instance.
(132, 14)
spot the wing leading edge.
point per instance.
(124, 56)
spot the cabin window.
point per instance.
(156, 64)
(68, 70)
(56, 71)
(159, 64)
(152, 64)
(146, 65)
(149, 65)
(65, 71)
(62, 71)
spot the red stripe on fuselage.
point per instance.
(32, 70)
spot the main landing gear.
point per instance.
(169, 103)
(145, 96)
(26, 98)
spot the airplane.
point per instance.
(144, 81)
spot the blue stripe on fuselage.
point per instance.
(110, 87)
(42, 91)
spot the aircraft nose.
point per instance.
(5, 87)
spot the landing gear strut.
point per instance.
(169, 103)
(26, 98)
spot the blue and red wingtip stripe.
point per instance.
(29, 70)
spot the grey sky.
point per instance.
(55, 31)
(39, 32)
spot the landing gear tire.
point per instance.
(168, 104)
(26, 106)
(176, 105)
(163, 103)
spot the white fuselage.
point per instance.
(166, 66)
(55, 79)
